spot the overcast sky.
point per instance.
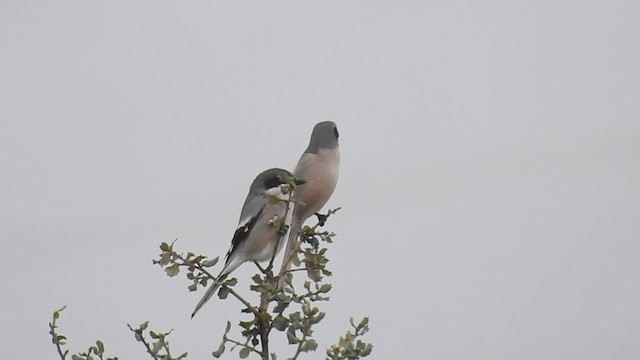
(489, 180)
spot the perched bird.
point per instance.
(258, 237)
(319, 167)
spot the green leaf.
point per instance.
(313, 345)
(223, 292)
(291, 336)
(295, 318)
(295, 260)
(246, 324)
(316, 319)
(216, 354)
(367, 350)
(100, 346)
(210, 262)
(280, 323)
(244, 352)
(56, 314)
(314, 275)
(157, 346)
(363, 323)
(172, 270)
(226, 330)
(164, 259)
(309, 345)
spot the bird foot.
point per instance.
(322, 218)
(283, 229)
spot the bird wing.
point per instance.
(251, 211)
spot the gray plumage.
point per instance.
(319, 167)
(255, 239)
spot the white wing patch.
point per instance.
(244, 222)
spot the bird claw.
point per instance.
(322, 218)
(283, 229)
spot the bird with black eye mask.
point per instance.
(319, 167)
(256, 238)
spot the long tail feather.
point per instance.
(293, 234)
(232, 263)
(207, 296)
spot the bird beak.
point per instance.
(299, 181)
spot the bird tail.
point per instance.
(293, 234)
(232, 263)
(210, 291)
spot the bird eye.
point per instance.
(335, 132)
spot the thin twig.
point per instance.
(263, 327)
(166, 344)
(54, 337)
(299, 348)
(241, 344)
(143, 341)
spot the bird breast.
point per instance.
(320, 171)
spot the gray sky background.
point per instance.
(489, 180)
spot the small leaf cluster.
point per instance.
(196, 265)
(95, 352)
(314, 258)
(282, 307)
(290, 311)
(158, 346)
(244, 351)
(349, 346)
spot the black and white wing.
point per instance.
(251, 211)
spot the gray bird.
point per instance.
(319, 167)
(257, 238)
